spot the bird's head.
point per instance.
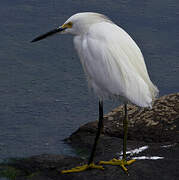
(76, 24)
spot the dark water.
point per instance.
(43, 92)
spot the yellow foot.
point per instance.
(118, 162)
(82, 168)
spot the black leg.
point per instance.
(122, 162)
(100, 125)
(125, 128)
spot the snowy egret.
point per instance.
(114, 67)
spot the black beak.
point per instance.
(54, 31)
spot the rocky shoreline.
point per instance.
(152, 139)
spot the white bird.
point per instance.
(114, 67)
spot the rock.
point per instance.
(159, 124)
(152, 134)
(48, 167)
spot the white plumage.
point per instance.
(113, 63)
(114, 67)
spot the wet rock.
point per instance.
(48, 167)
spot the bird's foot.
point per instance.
(118, 162)
(82, 168)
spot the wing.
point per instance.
(114, 64)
